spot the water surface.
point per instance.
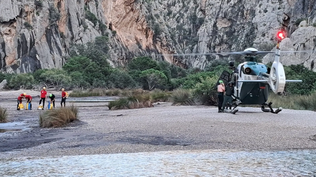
(168, 163)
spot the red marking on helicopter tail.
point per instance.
(262, 87)
(281, 35)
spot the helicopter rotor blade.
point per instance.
(188, 54)
(227, 54)
(293, 51)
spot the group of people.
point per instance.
(43, 96)
(224, 95)
(28, 100)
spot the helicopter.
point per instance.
(252, 80)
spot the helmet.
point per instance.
(50, 95)
(24, 94)
(44, 88)
(62, 89)
(220, 81)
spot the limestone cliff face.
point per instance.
(38, 34)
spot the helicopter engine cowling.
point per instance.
(277, 78)
(247, 70)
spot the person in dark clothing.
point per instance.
(220, 95)
(19, 101)
(229, 91)
(52, 99)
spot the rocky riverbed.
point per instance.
(190, 131)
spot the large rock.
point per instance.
(39, 34)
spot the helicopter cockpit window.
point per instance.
(241, 69)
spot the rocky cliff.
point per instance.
(38, 34)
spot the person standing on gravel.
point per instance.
(220, 94)
(43, 97)
(229, 91)
(63, 97)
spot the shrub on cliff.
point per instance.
(58, 117)
(54, 14)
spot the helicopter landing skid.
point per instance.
(233, 111)
(270, 108)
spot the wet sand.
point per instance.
(160, 128)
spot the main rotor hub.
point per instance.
(251, 50)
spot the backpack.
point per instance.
(66, 94)
(21, 106)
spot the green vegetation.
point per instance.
(58, 117)
(91, 17)
(38, 3)
(308, 77)
(182, 97)
(20, 81)
(298, 21)
(139, 99)
(28, 25)
(300, 102)
(3, 115)
(54, 14)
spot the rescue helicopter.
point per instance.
(253, 80)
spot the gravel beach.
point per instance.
(160, 128)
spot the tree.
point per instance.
(154, 78)
(143, 63)
(18, 81)
(121, 79)
(300, 72)
(55, 77)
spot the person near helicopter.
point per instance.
(229, 92)
(220, 95)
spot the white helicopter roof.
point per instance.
(251, 49)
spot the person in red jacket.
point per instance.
(29, 100)
(63, 97)
(19, 101)
(43, 96)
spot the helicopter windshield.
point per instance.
(250, 58)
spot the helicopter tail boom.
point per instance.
(293, 81)
(266, 81)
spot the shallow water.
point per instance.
(13, 126)
(169, 163)
(9, 130)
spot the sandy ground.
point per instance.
(160, 128)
